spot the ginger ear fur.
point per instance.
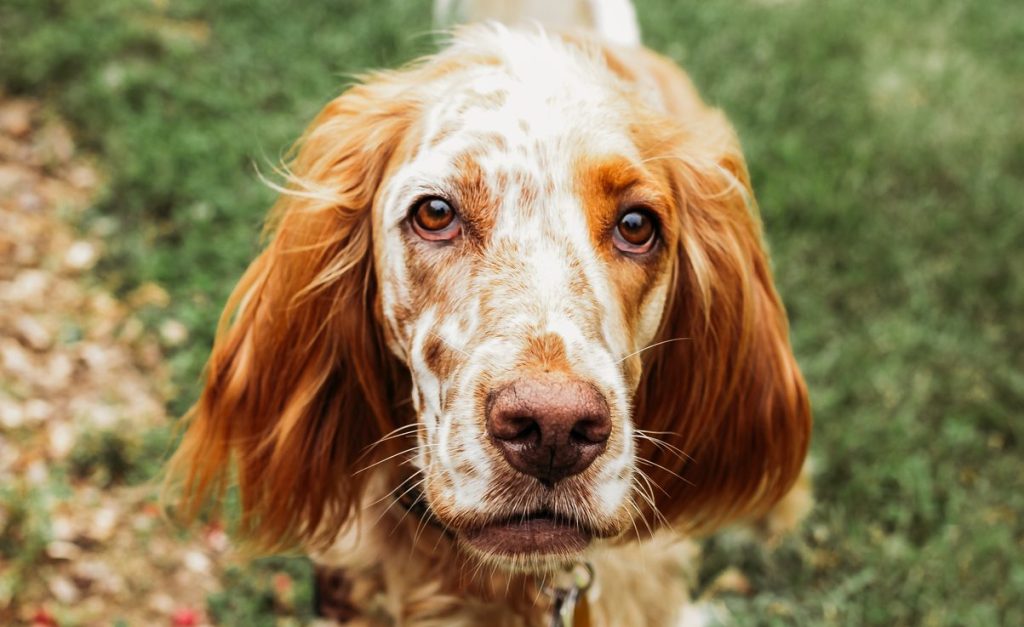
(299, 384)
(730, 398)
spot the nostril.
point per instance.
(591, 430)
(518, 429)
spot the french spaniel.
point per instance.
(512, 342)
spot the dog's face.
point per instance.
(498, 236)
(523, 265)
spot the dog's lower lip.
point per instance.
(537, 534)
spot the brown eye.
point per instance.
(635, 232)
(434, 219)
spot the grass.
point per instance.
(887, 151)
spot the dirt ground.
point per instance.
(76, 367)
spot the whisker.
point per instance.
(396, 488)
(650, 432)
(631, 503)
(407, 510)
(671, 472)
(411, 449)
(656, 344)
(391, 435)
(650, 532)
(398, 431)
(675, 450)
(649, 497)
(440, 536)
(651, 485)
(425, 517)
(396, 500)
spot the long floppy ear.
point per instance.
(299, 382)
(731, 391)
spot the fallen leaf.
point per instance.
(196, 561)
(33, 333)
(173, 333)
(12, 415)
(16, 117)
(731, 581)
(161, 603)
(63, 589)
(149, 294)
(62, 550)
(37, 411)
(81, 256)
(104, 522)
(36, 474)
(62, 439)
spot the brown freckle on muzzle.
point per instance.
(437, 356)
(546, 353)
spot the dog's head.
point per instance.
(530, 268)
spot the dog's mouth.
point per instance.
(538, 533)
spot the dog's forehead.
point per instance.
(538, 108)
(518, 128)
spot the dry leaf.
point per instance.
(16, 117)
(81, 256)
(173, 332)
(63, 589)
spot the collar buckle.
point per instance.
(569, 607)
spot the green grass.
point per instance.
(886, 145)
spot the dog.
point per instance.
(512, 343)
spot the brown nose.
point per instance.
(549, 429)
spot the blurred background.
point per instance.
(886, 144)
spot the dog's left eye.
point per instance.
(636, 232)
(434, 219)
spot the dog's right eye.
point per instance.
(434, 219)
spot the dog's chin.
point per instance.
(528, 543)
